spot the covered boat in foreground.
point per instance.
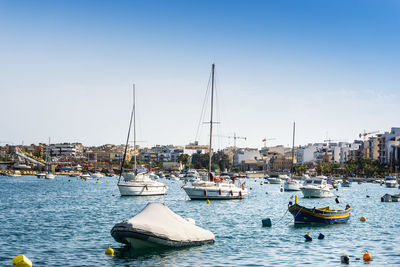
(157, 226)
(303, 215)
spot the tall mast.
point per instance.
(211, 118)
(134, 127)
(48, 155)
(294, 131)
(127, 138)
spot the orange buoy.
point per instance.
(363, 219)
(367, 256)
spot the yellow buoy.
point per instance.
(109, 251)
(366, 256)
(208, 201)
(363, 219)
(107, 181)
(22, 261)
(98, 181)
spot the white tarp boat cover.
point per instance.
(157, 223)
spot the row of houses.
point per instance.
(385, 148)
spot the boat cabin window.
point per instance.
(317, 181)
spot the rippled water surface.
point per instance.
(67, 222)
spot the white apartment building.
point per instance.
(243, 154)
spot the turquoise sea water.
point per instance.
(67, 222)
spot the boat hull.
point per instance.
(290, 187)
(303, 215)
(50, 176)
(275, 180)
(199, 193)
(142, 190)
(97, 175)
(316, 193)
(140, 240)
(391, 185)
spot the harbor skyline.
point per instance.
(67, 70)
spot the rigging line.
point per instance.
(294, 217)
(217, 127)
(127, 138)
(218, 108)
(202, 114)
(282, 216)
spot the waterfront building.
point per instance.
(194, 147)
(62, 149)
(245, 154)
(387, 146)
(109, 153)
(282, 163)
(167, 153)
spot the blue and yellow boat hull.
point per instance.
(303, 215)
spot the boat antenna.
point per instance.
(211, 121)
(127, 139)
(291, 167)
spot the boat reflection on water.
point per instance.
(128, 252)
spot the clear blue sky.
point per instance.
(67, 68)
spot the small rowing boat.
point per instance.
(303, 215)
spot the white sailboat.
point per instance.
(216, 187)
(137, 184)
(292, 184)
(49, 175)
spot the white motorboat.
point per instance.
(142, 185)
(157, 226)
(277, 178)
(50, 176)
(14, 174)
(191, 176)
(135, 183)
(96, 175)
(217, 190)
(316, 187)
(391, 181)
(41, 175)
(292, 185)
(86, 176)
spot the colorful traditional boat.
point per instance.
(303, 215)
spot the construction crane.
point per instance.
(267, 139)
(364, 134)
(234, 137)
(334, 140)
